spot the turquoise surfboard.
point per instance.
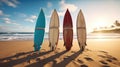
(39, 31)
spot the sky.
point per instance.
(21, 15)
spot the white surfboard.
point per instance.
(54, 30)
(81, 30)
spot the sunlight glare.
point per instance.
(101, 22)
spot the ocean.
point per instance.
(8, 36)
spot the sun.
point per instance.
(101, 23)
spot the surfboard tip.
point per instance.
(67, 9)
(80, 10)
(54, 9)
(41, 10)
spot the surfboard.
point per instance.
(81, 30)
(54, 30)
(39, 31)
(67, 30)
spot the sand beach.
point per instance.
(98, 53)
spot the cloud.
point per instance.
(16, 2)
(64, 6)
(61, 13)
(1, 12)
(9, 28)
(9, 21)
(31, 18)
(49, 4)
(12, 3)
(15, 23)
(21, 14)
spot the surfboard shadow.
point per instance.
(11, 63)
(17, 55)
(67, 60)
(41, 63)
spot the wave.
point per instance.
(7, 36)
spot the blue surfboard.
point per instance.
(39, 31)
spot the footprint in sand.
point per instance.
(73, 52)
(103, 62)
(75, 64)
(37, 59)
(66, 57)
(109, 60)
(89, 59)
(83, 65)
(102, 56)
(108, 57)
(103, 52)
(111, 57)
(113, 61)
(80, 61)
(105, 66)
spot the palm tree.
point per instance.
(117, 23)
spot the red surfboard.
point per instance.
(67, 30)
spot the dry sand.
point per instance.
(98, 53)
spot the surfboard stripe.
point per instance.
(54, 27)
(81, 27)
(39, 28)
(68, 28)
